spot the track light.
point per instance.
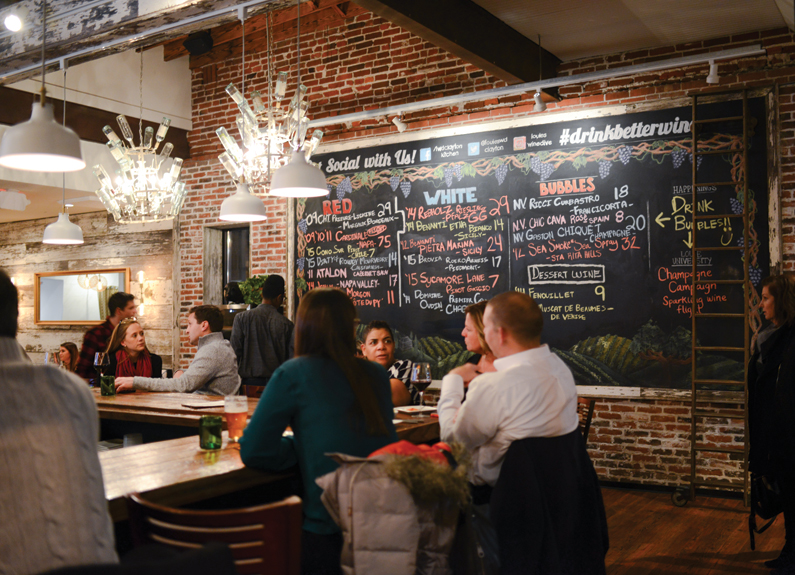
(540, 105)
(713, 77)
(401, 125)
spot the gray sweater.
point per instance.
(52, 504)
(213, 371)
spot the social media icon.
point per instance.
(473, 148)
(425, 154)
(520, 143)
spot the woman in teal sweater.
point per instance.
(333, 402)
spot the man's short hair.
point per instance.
(9, 306)
(209, 313)
(119, 300)
(273, 287)
(518, 314)
(376, 324)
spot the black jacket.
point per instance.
(547, 509)
(771, 406)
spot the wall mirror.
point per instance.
(77, 297)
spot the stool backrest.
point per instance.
(264, 539)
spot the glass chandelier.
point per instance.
(269, 130)
(140, 191)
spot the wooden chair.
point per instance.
(585, 412)
(264, 539)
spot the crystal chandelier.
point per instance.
(269, 131)
(140, 192)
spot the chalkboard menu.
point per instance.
(591, 217)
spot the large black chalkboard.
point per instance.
(591, 217)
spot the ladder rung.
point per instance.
(718, 249)
(718, 348)
(738, 315)
(714, 120)
(716, 216)
(717, 414)
(723, 152)
(704, 449)
(718, 382)
(721, 484)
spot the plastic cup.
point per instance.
(236, 412)
(210, 427)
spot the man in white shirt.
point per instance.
(532, 393)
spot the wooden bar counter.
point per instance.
(176, 472)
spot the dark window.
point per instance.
(235, 254)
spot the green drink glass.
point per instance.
(210, 427)
(107, 385)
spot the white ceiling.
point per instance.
(570, 29)
(574, 29)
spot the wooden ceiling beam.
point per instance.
(468, 31)
(258, 24)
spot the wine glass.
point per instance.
(101, 361)
(421, 377)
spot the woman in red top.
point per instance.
(128, 353)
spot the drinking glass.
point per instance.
(101, 362)
(421, 377)
(236, 412)
(210, 431)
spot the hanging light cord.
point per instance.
(63, 174)
(43, 43)
(141, 101)
(243, 63)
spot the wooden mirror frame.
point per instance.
(37, 287)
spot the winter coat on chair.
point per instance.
(384, 530)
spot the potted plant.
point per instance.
(251, 289)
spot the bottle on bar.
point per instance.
(117, 152)
(103, 177)
(166, 152)
(312, 143)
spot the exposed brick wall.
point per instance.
(369, 63)
(648, 441)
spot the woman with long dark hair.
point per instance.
(128, 353)
(333, 402)
(68, 355)
(771, 403)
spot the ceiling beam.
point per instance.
(86, 121)
(227, 38)
(468, 31)
(97, 28)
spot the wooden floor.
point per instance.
(709, 536)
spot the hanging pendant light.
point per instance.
(243, 206)
(63, 232)
(145, 190)
(40, 144)
(299, 178)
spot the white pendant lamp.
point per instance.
(243, 206)
(62, 232)
(40, 144)
(298, 179)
